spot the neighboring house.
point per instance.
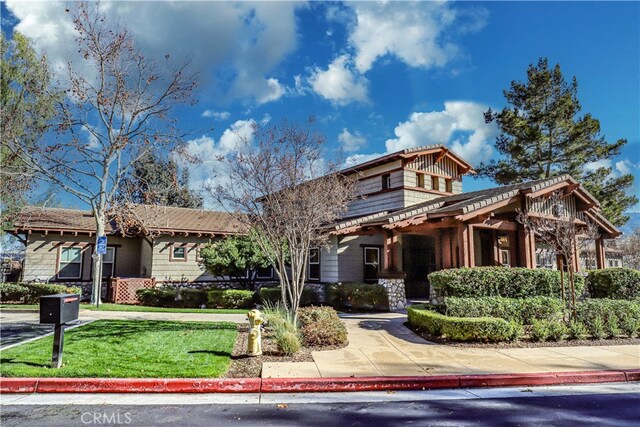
(411, 218)
(59, 244)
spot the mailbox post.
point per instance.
(58, 309)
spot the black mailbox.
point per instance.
(59, 309)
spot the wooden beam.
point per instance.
(600, 254)
(496, 224)
(547, 190)
(443, 152)
(446, 248)
(488, 208)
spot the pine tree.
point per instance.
(542, 135)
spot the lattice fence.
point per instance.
(123, 290)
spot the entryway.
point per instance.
(418, 260)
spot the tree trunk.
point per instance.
(564, 298)
(574, 314)
(97, 262)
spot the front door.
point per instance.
(418, 260)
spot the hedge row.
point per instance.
(358, 296)
(605, 309)
(488, 329)
(31, 293)
(616, 283)
(274, 295)
(522, 310)
(500, 282)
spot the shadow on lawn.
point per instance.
(13, 361)
(212, 352)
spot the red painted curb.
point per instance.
(545, 378)
(632, 374)
(291, 385)
(148, 385)
(18, 385)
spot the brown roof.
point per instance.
(161, 219)
(464, 203)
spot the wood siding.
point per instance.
(544, 206)
(425, 163)
(350, 256)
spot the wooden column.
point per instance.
(495, 248)
(465, 245)
(446, 248)
(391, 252)
(527, 247)
(600, 254)
(437, 243)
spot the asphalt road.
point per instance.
(620, 409)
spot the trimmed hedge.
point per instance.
(508, 282)
(274, 295)
(488, 329)
(321, 326)
(604, 309)
(358, 296)
(616, 283)
(172, 297)
(12, 292)
(37, 290)
(522, 310)
(230, 298)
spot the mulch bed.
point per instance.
(525, 342)
(244, 366)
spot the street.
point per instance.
(614, 405)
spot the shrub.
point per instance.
(13, 292)
(358, 296)
(230, 298)
(577, 330)
(557, 331)
(284, 331)
(523, 311)
(617, 283)
(500, 282)
(605, 308)
(274, 295)
(596, 328)
(190, 298)
(321, 326)
(540, 330)
(157, 297)
(461, 328)
(36, 290)
(611, 327)
(288, 342)
(630, 325)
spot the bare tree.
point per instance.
(566, 234)
(630, 246)
(117, 106)
(285, 192)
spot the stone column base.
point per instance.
(395, 292)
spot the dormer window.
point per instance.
(386, 181)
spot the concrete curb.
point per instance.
(298, 385)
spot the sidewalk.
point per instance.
(139, 315)
(380, 345)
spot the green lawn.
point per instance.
(129, 349)
(126, 307)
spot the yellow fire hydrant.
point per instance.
(254, 347)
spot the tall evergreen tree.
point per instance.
(542, 135)
(157, 181)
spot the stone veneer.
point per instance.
(395, 292)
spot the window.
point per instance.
(264, 272)
(420, 180)
(178, 253)
(108, 262)
(435, 183)
(449, 185)
(371, 263)
(386, 181)
(70, 263)
(314, 264)
(505, 258)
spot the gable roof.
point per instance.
(409, 153)
(159, 219)
(468, 203)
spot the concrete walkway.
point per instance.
(379, 344)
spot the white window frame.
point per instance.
(504, 252)
(315, 248)
(113, 261)
(172, 256)
(60, 262)
(375, 248)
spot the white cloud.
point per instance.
(339, 83)
(241, 42)
(474, 142)
(412, 32)
(351, 141)
(593, 166)
(619, 168)
(265, 119)
(217, 115)
(625, 167)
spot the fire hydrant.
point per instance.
(254, 346)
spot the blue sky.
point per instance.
(378, 77)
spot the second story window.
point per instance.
(420, 180)
(449, 185)
(435, 183)
(386, 181)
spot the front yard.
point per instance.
(129, 349)
(136, 308)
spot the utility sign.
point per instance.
(101, 245)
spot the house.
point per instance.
(59, 243)
(411, 217)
